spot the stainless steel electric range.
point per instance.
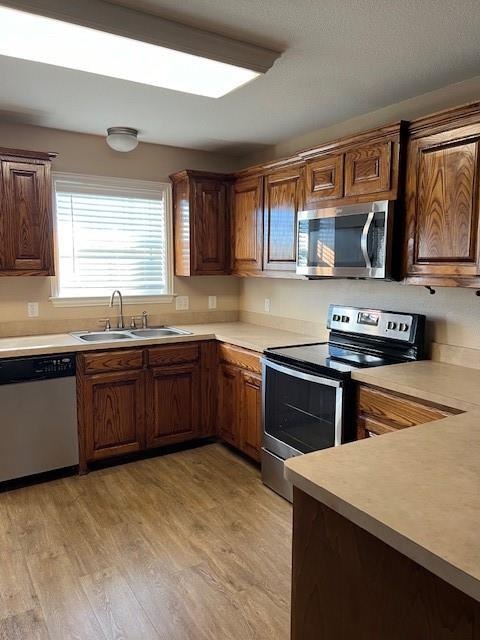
(308, 396)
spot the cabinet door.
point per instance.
(368, 169)
(283, 194)
(247, 224)
(251, 414)
(112, 413)
(27, 244)
(210, 228)
(173, 404)
(323, 180)
(442, 205)
(229, 404)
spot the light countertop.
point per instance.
(241, 334)
(417, 489)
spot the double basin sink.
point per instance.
(129, 334)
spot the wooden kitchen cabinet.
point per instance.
(133, 399)
(247, 214)
(201, 212)
(380, 411)
(283, 199)
(173, 404)
(26, 217)
(229, 404)
(442, 199)
(239, 399)
(113, 414)
(251, 414)
(358, 168)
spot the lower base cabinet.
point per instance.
(380, 412)
(114, 423)
(239, 399)
(130, 400)
(173, 403)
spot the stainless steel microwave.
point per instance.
(353, 241)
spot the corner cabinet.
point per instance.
(442, 199)
(201, 217)
(26, 217)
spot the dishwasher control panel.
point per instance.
(14, 370)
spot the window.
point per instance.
(111, 234)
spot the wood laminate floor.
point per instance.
(188, 546)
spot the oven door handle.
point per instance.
(364, 240)
(329, 382)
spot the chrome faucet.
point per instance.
(120, 323)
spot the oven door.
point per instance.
(301, 412)
(350, 242)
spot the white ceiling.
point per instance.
(342, 58)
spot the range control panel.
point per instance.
(372, 322)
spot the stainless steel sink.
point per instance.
(104, 336)
(158, 333)
(113, 336)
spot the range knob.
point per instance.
(345, 319)
(403, 326)
(391, 325)
(336, 317)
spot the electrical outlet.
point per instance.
(212, 302)
(32, 309)
(182, 303)
(267, 305)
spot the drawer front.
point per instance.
(173, 354)
(106, 361)
(239, 357)
(396, 411)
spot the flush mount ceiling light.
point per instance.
(122, 138)
(110, 40)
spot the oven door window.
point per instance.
(300, 413)
(352, 241)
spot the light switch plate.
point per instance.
(32, 309)
(212, 302)
(267, 305)
(182, 303)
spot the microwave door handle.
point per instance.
(364, 240)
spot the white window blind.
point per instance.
(111, 234)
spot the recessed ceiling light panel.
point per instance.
(40, 39)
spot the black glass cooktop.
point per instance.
(337, 359)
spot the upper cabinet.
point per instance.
(26, 218)
(247, 237)
(355, 169)
(282, 200)
(442, 199)
(201, 206)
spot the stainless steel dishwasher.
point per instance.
(38, 415)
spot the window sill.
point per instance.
(103, 301)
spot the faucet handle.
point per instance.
(106, 323)
(144, 320)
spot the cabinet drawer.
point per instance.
(396, 411)
(107, 361)
(173, 354)
(240, 357)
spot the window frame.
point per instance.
(110, 182)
